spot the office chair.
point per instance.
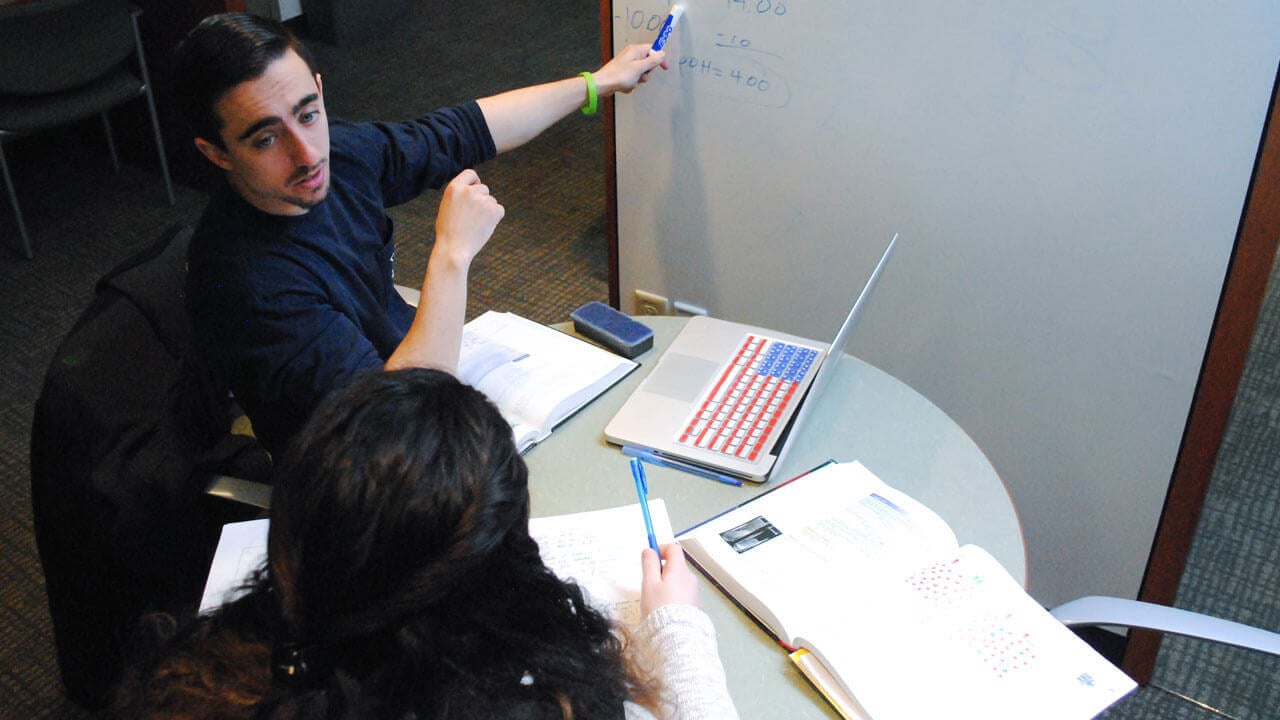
(131, 447)
(1117, 612)
(1095, 611)
(63, 61)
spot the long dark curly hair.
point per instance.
(401, 582)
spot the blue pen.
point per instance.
(652, 457)
(642, 490)
(673, 17)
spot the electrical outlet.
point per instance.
(648, 303)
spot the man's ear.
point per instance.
(215, 154)
(319, 85)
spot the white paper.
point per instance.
(600, 549)
(242, 548)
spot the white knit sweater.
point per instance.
(693, 684)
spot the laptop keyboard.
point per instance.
(740, 413)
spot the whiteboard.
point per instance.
(1067, 179)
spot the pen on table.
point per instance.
(673, 17)
(642, 490)
(652, 457)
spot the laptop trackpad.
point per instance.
(681, 377)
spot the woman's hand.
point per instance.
(670, 582)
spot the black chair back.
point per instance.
(52, 46)
(129, 427)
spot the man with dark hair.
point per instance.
(290, 285)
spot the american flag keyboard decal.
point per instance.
(740, 413)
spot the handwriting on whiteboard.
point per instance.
(758, 7)
(723, 52)
(734, 77)
(650, 18)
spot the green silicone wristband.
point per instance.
(592, 97)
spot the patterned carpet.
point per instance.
(547, 257)
(1234, 567)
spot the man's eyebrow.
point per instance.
(273, 120)
(264, 122)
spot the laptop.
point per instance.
(729, 397)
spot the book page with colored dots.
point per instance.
(960, 638)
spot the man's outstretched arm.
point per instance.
(517, 116)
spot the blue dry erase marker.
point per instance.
(642, 490)
(656, 459)
(673, 17)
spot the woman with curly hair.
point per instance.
(401, 582)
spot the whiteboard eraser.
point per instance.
(612, 329)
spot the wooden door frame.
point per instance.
(610, 160)
(1243, 291)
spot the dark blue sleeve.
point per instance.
(284, 346)
(409, 157)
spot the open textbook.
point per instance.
(888, 616)
(537, 376)
(598, 549)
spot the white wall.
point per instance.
(1067, 179)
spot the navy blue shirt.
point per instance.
(292, 307)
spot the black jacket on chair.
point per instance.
(127, 429)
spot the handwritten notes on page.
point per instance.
(600, 549)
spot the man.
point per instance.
(290, 286)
